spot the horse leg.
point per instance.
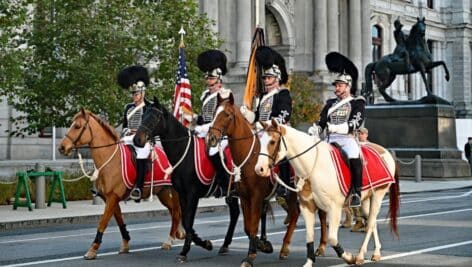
(110, 206)
(334, 219)
(169, 198)
(293, 214)
(233, 215)
(434, 64)
(375, 203)
(252, 213)
(308, 209)
(422, 69)
(263, 244)
(320, 251)
(124, 248)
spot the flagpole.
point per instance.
(257, 14)
(182, 33)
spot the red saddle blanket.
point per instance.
(203, 165)
(374, 168)
(128, 169)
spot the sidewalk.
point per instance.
(86, 212)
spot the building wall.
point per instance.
(307, 31)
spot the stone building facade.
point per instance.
(304, 31)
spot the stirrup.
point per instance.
(355, 201)
(135, 193)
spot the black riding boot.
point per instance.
(281, 193)
(136, 192)
(356, 177)
(222, 177)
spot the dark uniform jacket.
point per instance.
(132, 124)
(351, 112)
(278, 106)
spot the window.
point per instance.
(430, 4)
(376, 43)
(273, 33)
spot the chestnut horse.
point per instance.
(103, 141)
(313, 164)
(253, 189)
(178, 144)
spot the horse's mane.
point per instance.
(110, 130)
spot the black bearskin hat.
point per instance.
(130, 76)
(266, 58)
(341, 65)
(212, 62)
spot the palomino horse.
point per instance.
(103, 141)
(311, 158)
(178, 143)
(252, 189)
(385, 70)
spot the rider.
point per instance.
(274, 102)
(342, 116)
(213, 64)
(401, 52)
(135, 79)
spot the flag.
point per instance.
(254, 83)
(183, 93)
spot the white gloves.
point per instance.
(342, 128)
(202, 130)
(248, 114)
(314, 130)
(125, 132)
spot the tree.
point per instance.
(76, 48)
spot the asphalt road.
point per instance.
(435, 230)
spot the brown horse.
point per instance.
(252, 188)
(103, 141)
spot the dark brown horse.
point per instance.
(103, 141)
(252, 188)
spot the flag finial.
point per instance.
(182, 33)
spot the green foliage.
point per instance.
(76, 48)
(306, 104)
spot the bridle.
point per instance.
(153, 122)
(86, 126)
(230, 117)
(273, 156)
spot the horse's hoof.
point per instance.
(223, 250)
(166, 246)
(375, 258)
(349, 258)
(181, 259)
(90, 255)
(124, 250)
(308, 263)
(265, 246)
(284, 252)
(359, 260)
(208, 245)
(247, 262)
(320, 251)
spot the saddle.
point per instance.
(374, 172)
(128, 167)
(203, 165)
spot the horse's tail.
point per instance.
(394, 207)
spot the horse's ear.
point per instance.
(424, 19)
(418, 19)
(275, 124)
(82, 110)
(231, 99)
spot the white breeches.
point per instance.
(141, 152)
(348, 144)
(202, 131)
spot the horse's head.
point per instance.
(272, 150)
(223, 122)
(78, 134)
(152, 124)
(418, 30)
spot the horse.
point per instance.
(386, 69)
(103, 141)
(178, 143)
(252, 189)
(318, 186)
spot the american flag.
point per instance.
(183, 92)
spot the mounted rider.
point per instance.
(274, 102)
(401, 50)
(343, 116)
(213, 64)
(134, 79)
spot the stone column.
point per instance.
(333, 25)
(210, 7)
(321, 34)
(366, 38)
(355, 33)
(244, 35)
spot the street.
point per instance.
(435, 230)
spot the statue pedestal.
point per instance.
(428, 130)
